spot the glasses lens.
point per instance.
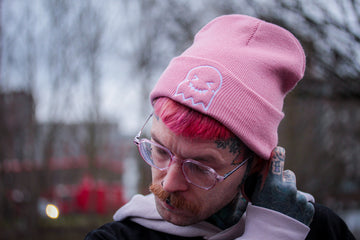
(155, 155)
(199, 175)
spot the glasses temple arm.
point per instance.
(232, 171)
(137, 137)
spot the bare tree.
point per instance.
(322, 102)
(55, 45)
(321, 140)
(159, 31)
(18, 53)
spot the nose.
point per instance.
(174, 180)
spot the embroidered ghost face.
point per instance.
(200, 86)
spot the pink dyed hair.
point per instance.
(187, 122)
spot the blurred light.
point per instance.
(52, 211)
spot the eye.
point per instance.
(160, 151)
(197, 169)
(209, 84)
(159, 155)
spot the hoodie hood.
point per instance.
(254, 224)
(147, 216)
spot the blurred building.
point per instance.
(17, 120)
(78, 166)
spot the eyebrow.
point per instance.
(156, 139)
(205, 158)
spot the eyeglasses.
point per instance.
(196, 173)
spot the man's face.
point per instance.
(188, 204)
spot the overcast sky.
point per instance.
(119, 90)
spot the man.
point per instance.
(216, 170)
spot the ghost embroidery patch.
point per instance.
(200, 86)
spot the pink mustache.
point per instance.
(174, 199)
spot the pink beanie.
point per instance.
(238, 71)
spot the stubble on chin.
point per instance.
(174, 199)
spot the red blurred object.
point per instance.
(88, 197)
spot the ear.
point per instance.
(256, 177)
(247, 189)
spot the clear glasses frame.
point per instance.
(217, 178)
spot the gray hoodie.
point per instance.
(256, 223)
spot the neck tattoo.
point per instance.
(232, 213)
